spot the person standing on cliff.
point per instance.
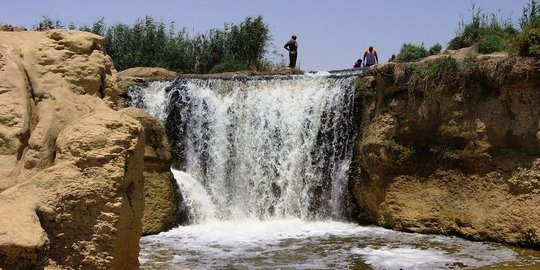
(292, 47)
(371, 57)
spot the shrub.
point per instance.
(149, 43)
(47, 23)
(527, 43)
(470, 62)
(229, 66)
(442, 68)
(480, 27)
(401, 152)
(531, 16)
(491, 43)
(411, 52)
(435, 49)
(363, 92)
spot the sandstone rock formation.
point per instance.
(450, 145)
(150, 73)
(161, 211)
(71, 188)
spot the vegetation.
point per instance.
(441, 68)
(484, 28)
(401, 152)
(435, 49)
(364, 93)
(491, 43)
(492, 34)
(410, 52)
(151, 43)
(527, 42)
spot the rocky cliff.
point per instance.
(71, 186)
(451, 145)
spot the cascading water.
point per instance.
(266, 167)
(267, 148)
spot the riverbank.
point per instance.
(450, 145)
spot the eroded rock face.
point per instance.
(71, 188)
(161, 211)
(454, 152)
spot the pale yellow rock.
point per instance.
(71, 186)
(152, 73)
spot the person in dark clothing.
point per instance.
(358, 63)
(292, 47)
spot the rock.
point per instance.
(149, 73)
(89, 203)
(49, 79)
(71, 190)
(140, 76)
(455, 153)
(161, 210)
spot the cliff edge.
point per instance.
(451, 145)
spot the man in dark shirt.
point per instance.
(292, 47)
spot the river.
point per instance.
(265, 181)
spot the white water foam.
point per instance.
(152, 98)
(388, 258)
(299, 244)
(268, 148)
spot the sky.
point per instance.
(332, 34)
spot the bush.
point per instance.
(149, 43)
(435, 49)
(411, 52)
(527, 43)
(491, 43)
(480, 27)
(442, 68)
(531, 16)
(229, 66)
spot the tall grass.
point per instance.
(489, 31)
(527, 42)
(148, 42)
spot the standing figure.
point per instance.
(370, 57)
(292, 47)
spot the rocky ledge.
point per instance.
(451, 145)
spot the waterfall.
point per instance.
(267, 148)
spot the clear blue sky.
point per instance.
(332, 34)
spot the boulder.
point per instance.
(71, 188)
